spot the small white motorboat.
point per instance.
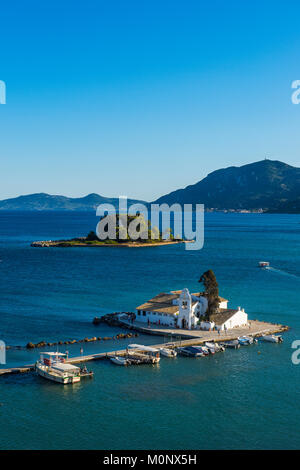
(264, 264)
(210, 347)
(272, 338)
(215, 346)
(119, 360)
(168, 352)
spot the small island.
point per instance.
(148, 236)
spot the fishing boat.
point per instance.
(168, 352)
(272, 338)
(190, 351)
(53, 366)
(264, 264)
(120, 361)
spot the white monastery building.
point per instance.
(182, 309)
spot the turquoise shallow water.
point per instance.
(239, 399)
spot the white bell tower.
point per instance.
(185, 309)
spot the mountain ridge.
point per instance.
(49, 202)
(268, 185)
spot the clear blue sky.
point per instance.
(144, 97)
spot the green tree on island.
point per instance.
(123, 228)
(208, 279)
(92, 236)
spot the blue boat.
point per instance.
(190, 351)
(245, 340)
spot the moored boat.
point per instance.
(245, 340)
(234, 344)
(203, 349)
(119, 360)
(145, 353)
(168, 352)
(190, 351)
(272, 338)
(209, 348)
(53, 366)
(215, 346)
(210, 344)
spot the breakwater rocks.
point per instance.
(43, 344)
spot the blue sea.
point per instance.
(244, 399)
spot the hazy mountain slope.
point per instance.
(42, 201)
(265, 184)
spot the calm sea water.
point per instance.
(239, 399)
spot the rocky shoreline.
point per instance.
(82, 242)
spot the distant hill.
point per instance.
(47, 202)
(267, 184)
(270, 185)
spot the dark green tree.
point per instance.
(208, 279)
(91, 236)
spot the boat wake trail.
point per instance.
(279, 271)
